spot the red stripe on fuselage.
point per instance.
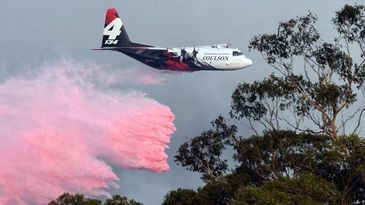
(177, 65)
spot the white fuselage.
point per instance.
(220, 56)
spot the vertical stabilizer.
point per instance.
(114, 34)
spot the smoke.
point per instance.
(62, 129)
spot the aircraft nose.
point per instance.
(247, 62)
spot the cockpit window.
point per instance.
(237, 53)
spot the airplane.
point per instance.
(196, 58)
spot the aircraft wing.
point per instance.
(150, 48)
(136, 48)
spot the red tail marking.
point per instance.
(111, 14)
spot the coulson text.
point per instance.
(216, 58)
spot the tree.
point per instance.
(303, 189)
(79, 199)
(203, 153)
(216, 193)
(290, 161)
(322, 89)
(182, 197)
(279, 154)
(121, 200)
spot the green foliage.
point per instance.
(350, 20)
(202, 153)
(292, 38)
(289, 163)
(248, 100)
(217, 192)
(284, 153)
(182, 197)
(280, 155)
(328, 84)
(213, 193)
(121, 200)
(79, 199)
(303, 189)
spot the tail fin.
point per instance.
(115, 34)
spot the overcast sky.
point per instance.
(39, 31)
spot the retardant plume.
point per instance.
(61, 130)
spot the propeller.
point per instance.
(195, 51)
(182, 54)
(182, 50)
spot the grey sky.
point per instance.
(38, 31)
